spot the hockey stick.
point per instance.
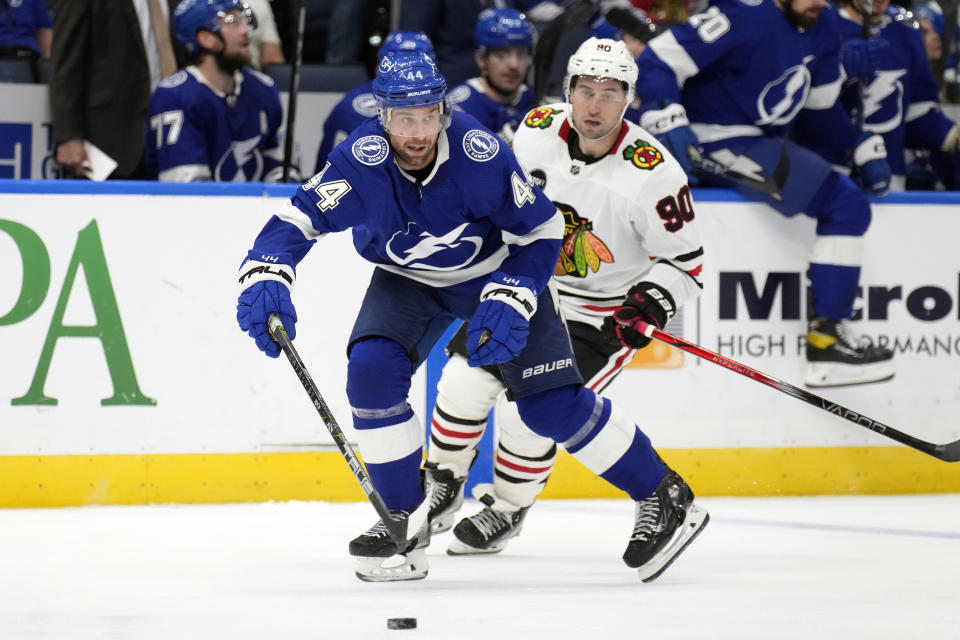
(771, 186)
(576, 13)
(294, 89)
(399, 530)
(949, 452)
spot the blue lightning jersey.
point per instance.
(475, 213)
(501, 118)
(357, 105)
(741, 68)
(901, 101)
(196, 132)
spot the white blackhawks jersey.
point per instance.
(628, 216)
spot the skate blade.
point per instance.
(409, 566)
(694, 522)
(821, 375)
(460, 548)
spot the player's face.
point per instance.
(877, 10)
(505, 68)
(597, 105)
(413, 135)
(236, 37)
(807, 12)
(931, 40)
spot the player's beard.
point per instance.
(231, 62)
(505, 94)
(409, 161)
(800, 20)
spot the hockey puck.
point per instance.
(401, 623)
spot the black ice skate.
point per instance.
(666, 523)
(445, 493)
(834, 359)
(489, 530)
(379, 559)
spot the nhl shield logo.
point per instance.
(480, 145)
(370, 150)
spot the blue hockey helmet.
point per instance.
(409, 81)
(502, 28)
(932, 13)
(406, 42)
(191, 16)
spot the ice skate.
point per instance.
(379, 560)
(489, 530)
(834, 359)
(666, 523)
(445, 493)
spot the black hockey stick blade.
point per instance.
(400, 530)
(949, 452)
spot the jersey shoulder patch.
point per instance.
(370, 150)
(480, 145)
(175, 79)
(365, 104)
(541, 117)
(458, 94)
(641, 154)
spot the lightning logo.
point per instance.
(242, 162)
(781, 99)
(878, 104)
(431, 245)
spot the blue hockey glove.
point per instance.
(266, 293)
(499, 327)
(671, 127)
(645, 301)
(870, 157)
(863, 58)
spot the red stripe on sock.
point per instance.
(456, 434)
(517, 467)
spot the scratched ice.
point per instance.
(771, 568)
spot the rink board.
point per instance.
(125, 379)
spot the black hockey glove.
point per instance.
(645, 301)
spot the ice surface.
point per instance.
(771, 568)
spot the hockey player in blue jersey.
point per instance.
(499, 98)
(899, 97)
(457, 230)
(743, 72)
(358, 104)
(215, 119)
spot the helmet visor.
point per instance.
(416, 122)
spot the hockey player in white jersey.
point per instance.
(631, 250)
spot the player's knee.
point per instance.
(841, 207)
(559, 414)
(517, 437)
(467, 392)
(378, 374)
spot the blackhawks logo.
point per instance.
(581, 250)
(642, 154)
(541, 118)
